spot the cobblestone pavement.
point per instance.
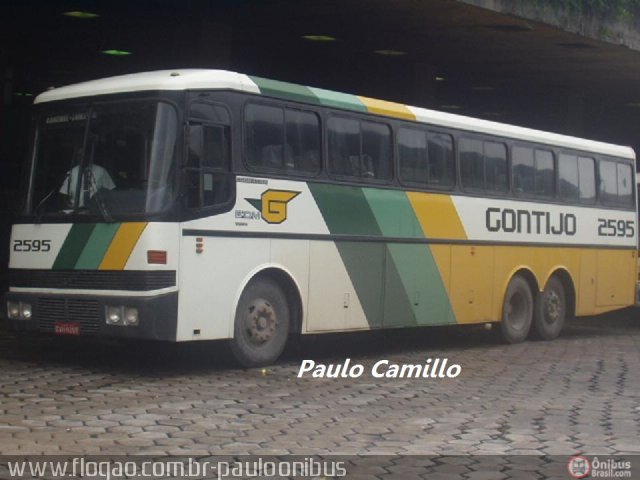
(579, 393)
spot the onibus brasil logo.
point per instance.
(272, 204)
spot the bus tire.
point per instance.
(262, 324)
(517, 311)
(550, 310)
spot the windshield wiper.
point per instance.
(37, 211)
(88, 172)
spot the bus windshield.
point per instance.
(112, 159)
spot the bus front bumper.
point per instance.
(87, 315)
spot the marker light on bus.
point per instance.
(19, 310)
(121, 315)
(130, 316)
(13, 310)
(113, 315)
(25, 311)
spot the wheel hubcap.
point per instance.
(262, 321)
(553, 307)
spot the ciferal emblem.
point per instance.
(272, 204)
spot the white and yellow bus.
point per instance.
(206, 204)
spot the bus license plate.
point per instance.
(67, 328)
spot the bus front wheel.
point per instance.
(517, 310)
(261, 324)
(550, 310)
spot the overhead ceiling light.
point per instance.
(633, 104)
(79, 14)
(319, 38)
(116, 53)
(391, 53)
(439, 79)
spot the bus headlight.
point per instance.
(121, 315)
(13, 310)
(131, 316)
(25, 311)
(113, 315)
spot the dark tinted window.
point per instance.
(616, 180)
(209, 156)
(441, 160)
(359, 149)
(425, 158)
(302, 140)
(533, 172)
(545, 173)
(483, 165)
(587, 176)
(625, 184)
(495, 166)
(265, 137)
(568, 174)
(523, 167)
(284, 140)
(608, 181)
(471, 163)
(413, 155)
(577, 177)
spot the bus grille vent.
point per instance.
(83, 312)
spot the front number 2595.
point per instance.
(31, 245)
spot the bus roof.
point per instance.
(194, 79)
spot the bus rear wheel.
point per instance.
(517, 310)
(262, 324)
(550, 310)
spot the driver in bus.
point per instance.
(98, 177)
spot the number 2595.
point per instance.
(616, 228)
(32, 245)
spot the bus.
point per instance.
(206, 204)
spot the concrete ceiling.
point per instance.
(493, 65)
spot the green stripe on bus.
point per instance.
(96, 246)
(365, 265)
(398, 311)
(284, 90)
(345, 209)
(73, 245)
(423, 285)
(338, 100)
(424, 290)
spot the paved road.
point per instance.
(579, 393)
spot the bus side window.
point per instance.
(615, 183)
(208, 160)
(568, 173)
(587, 179)
(359, 149)
(608, 182)
(545, 174)
(625, 184)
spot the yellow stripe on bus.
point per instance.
(391, 109)
(437, 215)
(122, 245)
